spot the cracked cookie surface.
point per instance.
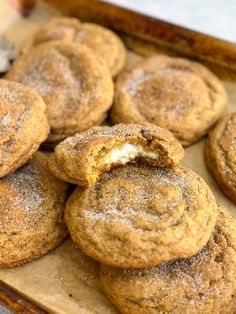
(204, 283)
(140, 216)
(32, 204)
(100, 39)
(177, 94)
(81, 159)
(220, 154)
(75, 84)
(23, 125)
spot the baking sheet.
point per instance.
(65, 280)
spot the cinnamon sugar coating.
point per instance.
(177, 94)
(23, 125)
(204, 283)
(82, 158)
(220, 154)
(75, 84)
(139, 216)
(101, 40)
(59, 28)
(32, 205)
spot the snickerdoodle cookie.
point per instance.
(82, 158)
(220, 154)
(177, 94)
(75, 84)
(23, 125)
(100, 39)
(59, 28)
(32, 205)
(205, 283)
(139, 215)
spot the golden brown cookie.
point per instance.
(82, 158)
(205, 283)
(177, 94)
(100, 39)
(75, 84)
(23, 125)
(220, 154)
(139, 216)
(32, 205)
(59, 28)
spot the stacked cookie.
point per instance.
(204, 283)
(154, 226)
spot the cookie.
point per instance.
(32, 205)
(139, 215)
(205, 283)
(59, 28)
(177, 94)
(23, 125)
(100, 39)
(220, 154)
(81, 159)
(75, 84)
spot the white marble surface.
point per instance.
(213, 17)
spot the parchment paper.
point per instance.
(65, 280)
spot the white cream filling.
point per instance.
(128, 152)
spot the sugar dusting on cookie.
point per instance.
(25, 195)
(5, 122)
(203, 283)
(145, 190)
(41, 79)
(26, 183)
(170, 92)
(76, 87)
